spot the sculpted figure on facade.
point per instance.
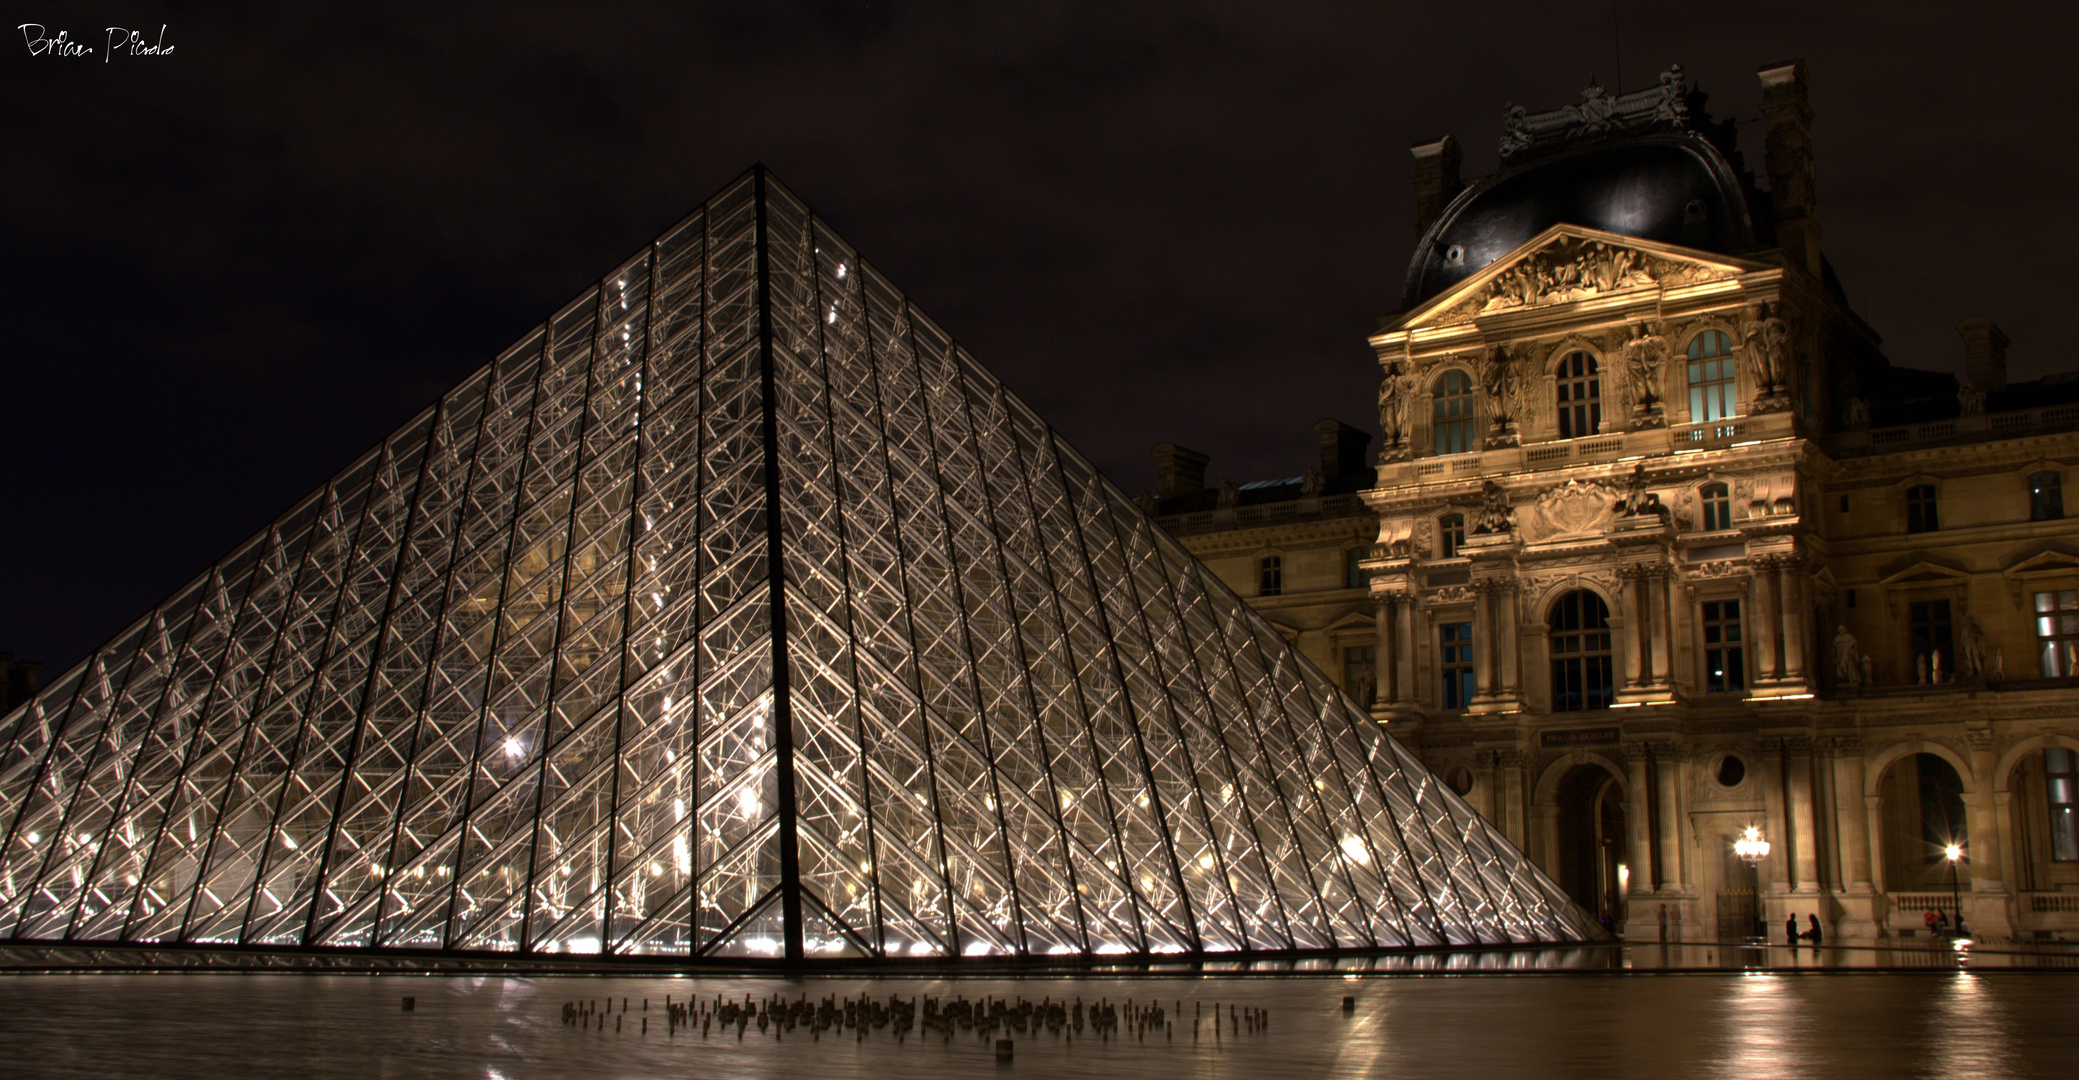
(1767, 339)
(1396, 400)
(1969, 399)
(1229, 493)
(1495, 515)
(1848, 661)
(1857, 414)
(1310, 484)
(1973, 658)
(1645, 354)
(1568, 270)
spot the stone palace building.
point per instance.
(1659, 547)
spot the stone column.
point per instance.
(1514, 803)
(1775, 874)
(1663, 654)
(1487, 784)
(1672, 876)
(1626, 629)
(1764, 622)
(1386, 661)
(1407, 679)
(1508, 637)
(1638, 825)
(1797, 763)
(1873, 827)
(1988, 905)
(1483, 643)
(1852, 836)
(1851, 824)
(1795, 617)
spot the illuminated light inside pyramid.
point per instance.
(735, 611)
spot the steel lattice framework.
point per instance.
(735, 611)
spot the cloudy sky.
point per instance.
(231, 267)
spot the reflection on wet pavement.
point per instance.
(1958, 1024)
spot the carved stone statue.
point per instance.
(1495, 515)
(1229, 493)
(1146, 501)
(1869, 672)
(1857, 414)
(1970, 399)
(1396, 397)
(1636, 497)
(1645, 353)
(1920, 670)
(1973, 649)
(1934, 666)
(1999, 663)
(1310, 484)
(1848, 658)
(1767, 339)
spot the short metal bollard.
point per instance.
(1003, 1049)
(410, 1003)
(1349, 1003)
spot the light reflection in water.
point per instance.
(1973, 1036)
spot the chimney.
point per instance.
(1178, 471)
(1342, 455)
(1788, 114)
(1436, 179)
(1985, 354)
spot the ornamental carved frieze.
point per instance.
(1575, 508)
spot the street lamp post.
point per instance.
(1752, 849)
(1954, 853)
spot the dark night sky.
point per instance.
(231, 269)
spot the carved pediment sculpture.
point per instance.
(1495, 516)
(1574, 509)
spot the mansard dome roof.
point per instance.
(1647, 164)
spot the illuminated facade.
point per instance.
(1668, 548)
(735, 611)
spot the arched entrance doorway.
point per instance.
(1590, 857)
(1922, 803)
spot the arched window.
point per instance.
(1270, 575)
(1717, 501)
(1920, 509)
(1710, 377)
(1580, 396)
(1452, 415)
(1450, 535)
(2046, 496)
(1581, 669)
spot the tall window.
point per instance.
(1920, 509)
(1353, 574)
(2046, 496)
(1725, 670)
(1580, 396)
(1710, 377)
(1270, 575)
(1450, 535)
(1455, 653)
(2057, 632)
(1717, 500)
(1580, 652)
(2061, 773)
(1452, 413)
(1928, 622)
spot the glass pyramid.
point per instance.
(735, 611)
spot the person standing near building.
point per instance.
(1815, 934)
(1790, 929)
